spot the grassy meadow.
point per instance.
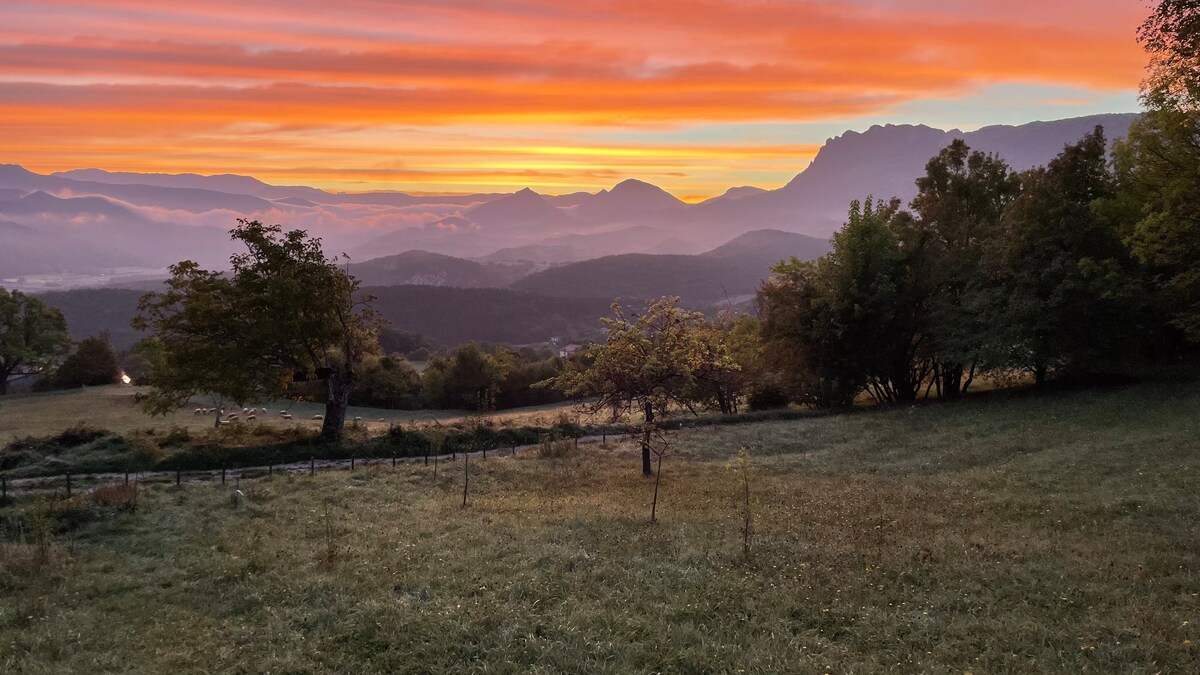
(113, 408)
(1008, 533)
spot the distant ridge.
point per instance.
(160, 218)
(734, 269)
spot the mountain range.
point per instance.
(90, 222)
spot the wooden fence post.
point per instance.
(177, 477)
(312, 465)
(393, 460)
(127, 478)
(222, 475)
(270, 470)
(352, 462)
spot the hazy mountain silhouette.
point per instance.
(524, 211)
(423, 268)
(885, 162)
(735, 193)
(628, 201)
(728, 272)
(161, 218)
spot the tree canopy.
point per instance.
(648, 363)
(33, 335)
(284, 312)
(93, 363)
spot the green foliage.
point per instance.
(1158, 172)
(33, 335)
(647, 364)
(958, 208)
(849, 321)
(467, 379)
(649, 361)
(388, 382)
(94, 363)
(1067, 296)
(284, 308)
(731, 365)
(1171, 35)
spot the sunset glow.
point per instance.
(465, 96)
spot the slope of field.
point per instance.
(1010, 534)
(114, 408)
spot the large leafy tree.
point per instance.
(284, 311)
(649, 363)
(33, 335)
(93, 363)
(958, 206)
(1158, 164)
(852, 319)
(731, 363)
(1171, 35)
(467, 379)
(1066, 293)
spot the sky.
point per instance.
(459, 96)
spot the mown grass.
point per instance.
(1007, 534)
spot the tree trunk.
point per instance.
(952, 381)
(3, 383)
(646, 468)
(1039, 375)
(657, 481)
(337, 399)
(216, 417)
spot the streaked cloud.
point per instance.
(464, 95)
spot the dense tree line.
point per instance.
(472, 377)
(1088, 265)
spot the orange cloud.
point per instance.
(285, 87)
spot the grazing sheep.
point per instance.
(357, 419)
(251, 417)
(231, 417)
(196, 411)
(380, 419)
(318, 417)
(287, 416)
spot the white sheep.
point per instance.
(251, 417)
(231, 417)
(318, 417)
(287, 416)
(196, 411)
(357, 419)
